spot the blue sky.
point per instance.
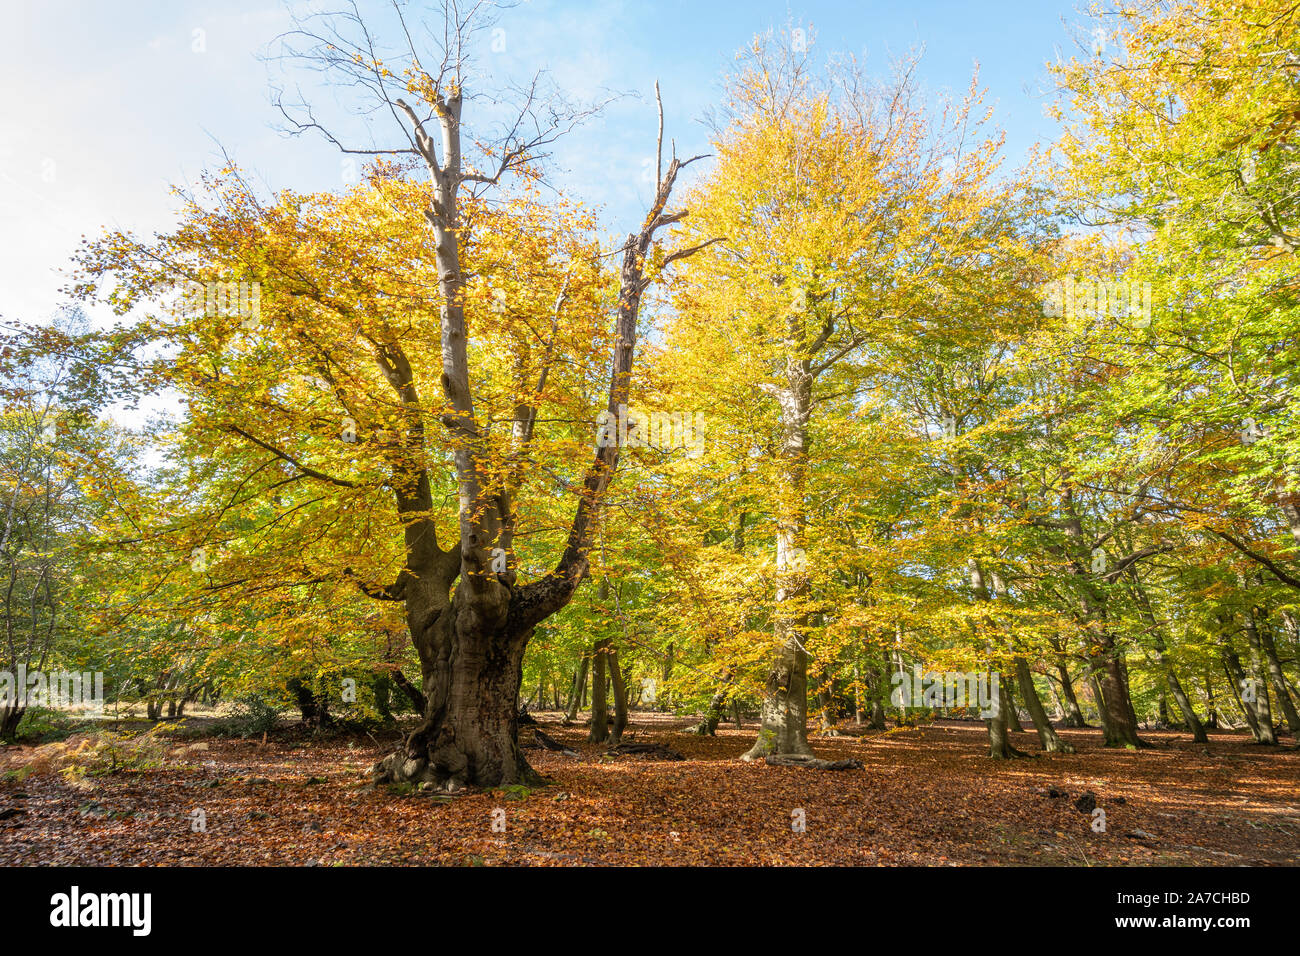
(106, 105)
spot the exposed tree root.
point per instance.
(814, 763)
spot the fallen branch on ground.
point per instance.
(649, 750)
(551, 744)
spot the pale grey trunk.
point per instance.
(784, 712)
(1263, 710)
(1237, 679)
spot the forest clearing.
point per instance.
(926, 797)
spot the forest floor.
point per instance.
(927, 796)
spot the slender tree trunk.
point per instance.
(10, 716)
(1183, 701)
(1211, 712)
(599, 692)
(1278, 677)
(999, 723)
(1263, 709)
(414, 694)
(1047, 735)
(1058, 709)
(1119, 721)
(1073, 715)
(826, 702)
(541, 689)
(620, 698)
(1147, 613)
(1237, 679)
(1013, 714)
(1128, 688)
(1103, 718)
(666, 673)
(880, 693)
(381, 685)
(579, 690)
(708, 725)
(313, 707)
(1114, 703)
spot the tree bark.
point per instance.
(1184, 703)
(313, 707)
(1278, 677)
(1147, 614)
(471, 640)
(579, 691)
(10, 716)
(599, 692)
(1115, 704)
(826, 703)
(1073, 715)
(713, 712)
(1237, 680)
(1211, 712)
(1013, 713)
(784, 712)
(1119, 722)
(620, 698)
(878, 685)
(1047, 735)
(1262, 708)
(1103, 718)
(1000, 747)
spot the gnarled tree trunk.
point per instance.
(471, 639)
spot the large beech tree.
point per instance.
(437, 323)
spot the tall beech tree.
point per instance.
(380, 307)
(853, 217)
